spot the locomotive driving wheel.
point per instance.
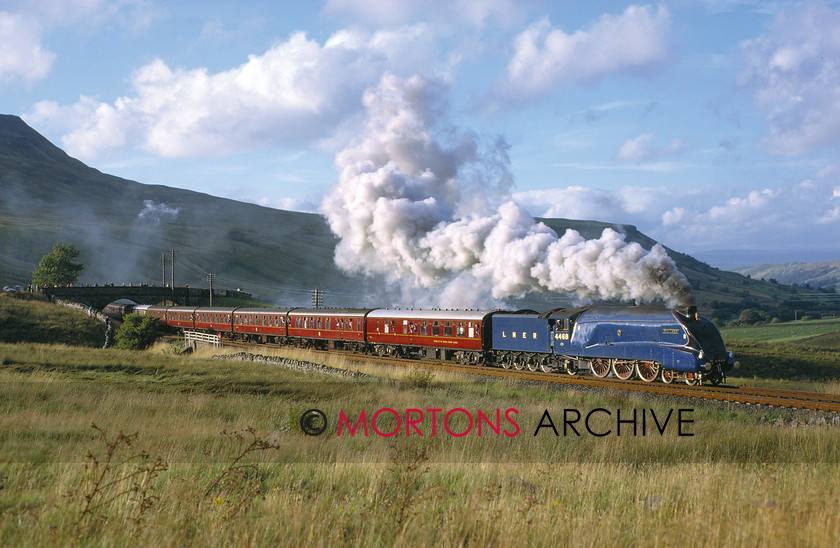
(623, 369)
(600, 367)
(532, 363)
(647, 371)
(691, 379)
(667, 376)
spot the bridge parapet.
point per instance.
(99, 296)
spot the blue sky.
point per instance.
(711, 125)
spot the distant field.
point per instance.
(782, 332)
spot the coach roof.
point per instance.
(451, 315)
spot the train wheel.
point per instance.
(546, 367)
(647, 371)
(667, 376)
(532, 364)
(623, 369)
(506, 361)
(691, 379)
(600, 368)
(571, 367)
(715, 378)
(517, 364)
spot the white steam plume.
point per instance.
(434, 215)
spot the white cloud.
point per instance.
(794, 73)
(639, 149)
(22, 57)
(298, 91)
(25, 25)
(695, 219)
(546, 58)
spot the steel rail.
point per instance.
(775, 397)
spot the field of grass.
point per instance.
(110, 447)
(219, 459)
(783, 332)
(795, 355)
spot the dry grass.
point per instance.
(737, 482)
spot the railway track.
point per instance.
(724, 393)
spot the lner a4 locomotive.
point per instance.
(647, 343)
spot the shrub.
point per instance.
(137, 332)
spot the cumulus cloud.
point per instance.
(794, 73)
(400, 211)
(25, 25)
(546, 58)
(299, 91)
(697, 219)
(22, 56)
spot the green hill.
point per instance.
(121, 228)
(824, 274)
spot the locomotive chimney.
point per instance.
(691, 312)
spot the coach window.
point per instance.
(478, 329)
(436, 329)
(392, 327)
(447, 329)
(461, 331)
(424, 328)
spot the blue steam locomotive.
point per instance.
(648, 343)
(627, 341)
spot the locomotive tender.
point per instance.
(648, 343)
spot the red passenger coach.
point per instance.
(433, 333)
(333, 328)
(260, 322)
(154, 311)
(181, 316)
(214, 319)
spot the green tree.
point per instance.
(137, 332)
(58, 267)
(749, 316)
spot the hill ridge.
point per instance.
(122, 227)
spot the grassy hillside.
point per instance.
(24, 318)
(824, 274)
(121, 228)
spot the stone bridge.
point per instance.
(99, 296)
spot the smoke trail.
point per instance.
(429, 208)
(154, 213)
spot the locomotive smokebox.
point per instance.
(691, 312)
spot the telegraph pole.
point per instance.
(172, 258)
(210, 279)
(163, 269)
(317, 298)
